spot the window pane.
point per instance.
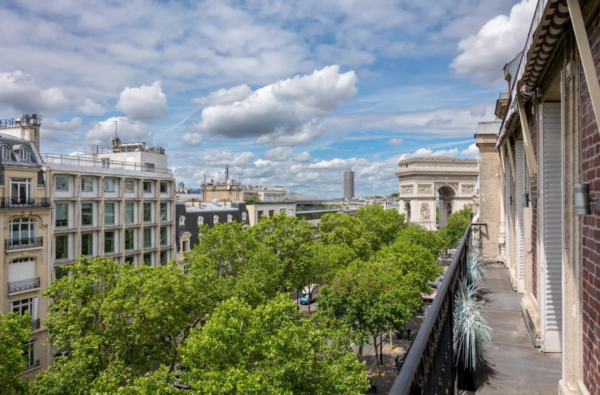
(86, 213)
(87, 184)
(109, 185)
(129, 186)
(109, 242)
(109, 213)
(62, 215)
(163, 257)
(147, 237)
(62, 183)
(163, 187)
(163, 211)
(60, 272)
(129, 259)
(86, 244)
(129, 212)
(62, 247)
(148, 259)
(129, 239)
(147, 187)
(147, 212)
(163, 236)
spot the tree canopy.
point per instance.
(14, 332)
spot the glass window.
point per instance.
(147, 237)
(87, 184)
(163, 257)
(215, 219)
(22, 306)
(87, 214)
(129, 239)
(109, 213)
(185, 245)
(164, 211)
(25, 154)
(230, 218)
(200, 220)
(62, 215)
(259, 214)
(129, 186)
(271, 213)
(109, 242)
(244, 217)
(109, 185)
(130, 260)
(181, 221)
(22, 229)
(62, 247)
(20, 190)
(60, 272)
(30, 351)
(147, 212)
(147, 187)
(163, 235)
(62, 183)
(282, 211)
(129, 212)
(6, 152)
(87, 248)
(148, 259)
(163, 187)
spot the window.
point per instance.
(20, 190)
(87, 213)
(109, 213)
(215, 219)
(163, 257)
(87, 184)
(147, 187)
(164, 211)
(230, 218)
(147, 212)
(30, 351)
(164, 187)
(129, 245)
(62, 247)
(22, 269)
(147, 237)
(282, 211)
(259, 214)
(244, 216)
(105, 162)
(6, 152)
(163, 236)
(109, 185)
(24, 154)
(60, 272)
(129, 212)
(87, 244)
(271, 213)
(148, 259)
(22, 306)
(149, 166)
(181, 221)
(109, 242)
(62, 183)
(130, 260)
(22, 229)
(185, 244)
(200, 220)
(129, 186)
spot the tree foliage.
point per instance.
(14, 331)
(456, 227)
(345, 230)
(381, 226)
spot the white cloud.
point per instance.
(396, 141)
(225, 96)
(191, 139)
(339, 163)
(129, 131)
(146, 103)
(90, 107)
(283, 113)
(499, 40)
(53, 124)
(19, 92)
(278, 154)
(427, 153)
(303, 157)
(471, 151)
(227, 158)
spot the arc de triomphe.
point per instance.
(424, 180)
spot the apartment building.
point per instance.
(26, 231)
(119, 204)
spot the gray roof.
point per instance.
(299, 197)
(16, 145)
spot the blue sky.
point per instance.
(285, 92)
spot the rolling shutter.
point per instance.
(552, 211)
(22, 269)
(520, 164)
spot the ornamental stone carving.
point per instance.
(454, 185)
(424, 211)
(425, 188)
(468, 188)
(407, 189)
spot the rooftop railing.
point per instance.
(101, 163)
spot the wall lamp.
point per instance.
(583, 199)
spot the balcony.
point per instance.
(21, 244)
(23, 285)
(35, 324)
(6, 202)
(102, 163)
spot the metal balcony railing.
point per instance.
(103, 163)
(35, 324)
(19, 244)
(11, 202)
(23, 285)
(429, 366)
(33, 364)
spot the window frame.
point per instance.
(166, 236)
(149, 211)
(91, 214)
(112, 241)
(164, 205)
(149, 183)
(132, 183)
(56, 183)
(147, 241)
(106, 204)
(131, 240)
(166, 187)
(114, 185)
(132, 205)
(64, 245)
(87, 182)
(90, 252)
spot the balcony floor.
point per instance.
(514, 365)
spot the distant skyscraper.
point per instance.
(181, 185)
(348, 183)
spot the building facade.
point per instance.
(348, 184)
(25, 218)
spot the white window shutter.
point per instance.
(21, 271)
(34, 313)
(507, 212)
(10, 307)
(520, 208)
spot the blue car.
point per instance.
(304, 298)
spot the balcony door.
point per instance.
(20, 190)
(552, 229)
(22, 231)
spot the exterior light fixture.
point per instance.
(526, 199)
(583, 199)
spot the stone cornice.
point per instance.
(438, 159)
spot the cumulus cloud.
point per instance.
(191, 139)
(395, 141)
(225, 96)
(499, 40)
(472, 151)
(54, 124)
(283, 113)
(339, 163)
(19, 92)
(278, 154)
(129, 131)
(228, 158)
(303, 157)
(145, 104)
(90, 107)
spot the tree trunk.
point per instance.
(309, 299)
(376, 353)
(381, 349)
(391, 340)
(360, 353)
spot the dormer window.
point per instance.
(216, 219)
(5, 152)
(230, 218)
(200, 220)
(182, 221)
(24, 154)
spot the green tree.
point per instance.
(430, 239)
(456, 227)
(370, 299)
(345, 230)
(381, 226)
(271, 349)
(14, 332)
(395, 194)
